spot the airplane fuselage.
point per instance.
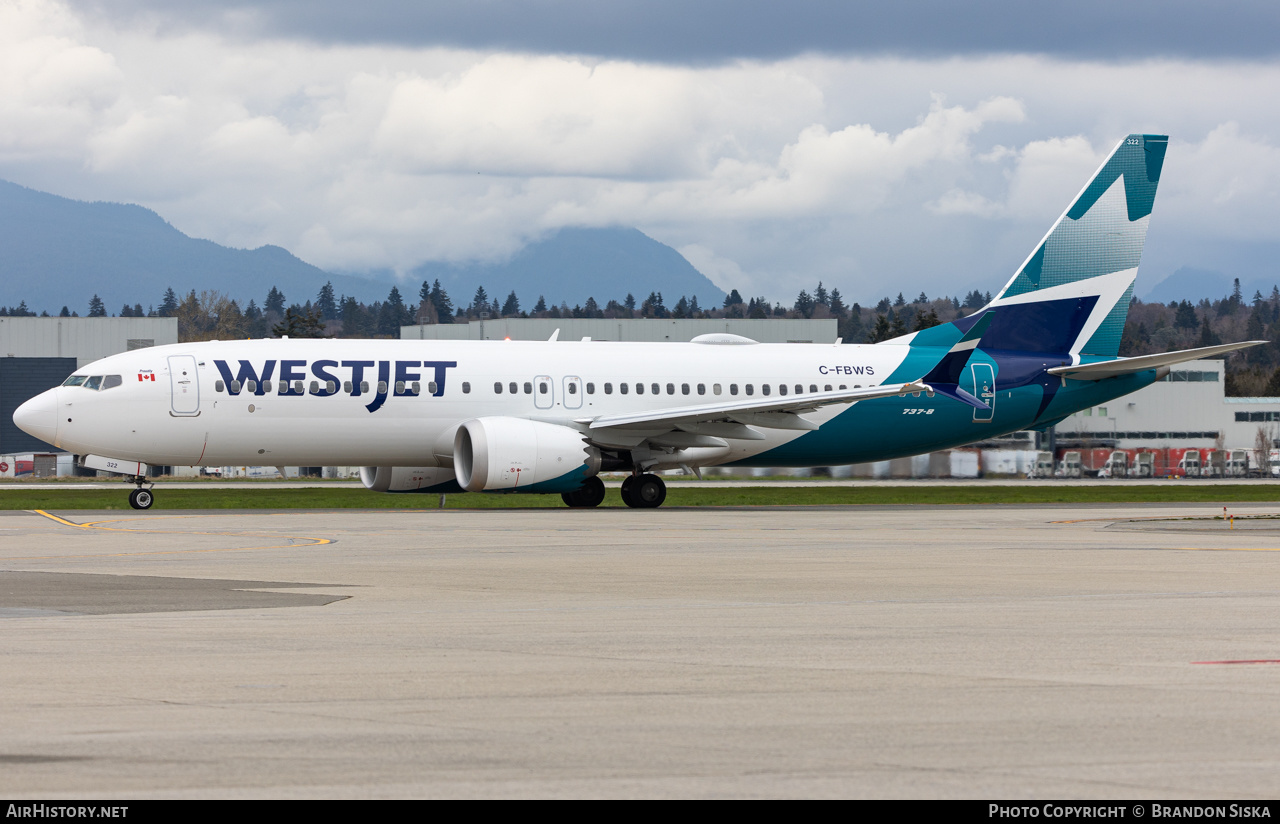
(399, 403)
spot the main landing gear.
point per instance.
(638, 491)
(643, 491)
(141, 498)
(591, 493)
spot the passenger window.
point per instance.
(573, 388)
(382, 387)
(764, 389)
(466, 388)
(415, 387)
(235, 387)
(431, 388)
(75, 380)
(800, 389)
(702, 389)
(715, 389)
(826, 388)
(364, 387)
(684, 389)
(608, 389)
(330, 387)
(542, 387)
(622, 387)
(671, 389)
(843, 387)
(315, 387)
(250, 386)
(528, 388)
(218, 386)
(639, 388)
(813, 387)
(94, 383)
(497, 387)
(399, 387)
(514, 388)
(297, 387)
(266, 386)
(657, 390)
(751, 389)
(111, 381)
(733, 389)
(591, 389)
(782, 389)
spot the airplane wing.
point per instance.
(1127, 366)
(705, 424)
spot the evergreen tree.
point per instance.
(881, 331)
(480, 303)
(440, 300)
(1185, 316)
(326, 305)
(592, 309)
(901, 301)
(393, 315)
(65, 313)
(275, 302)
(355, 319)
(836, 305)
(96, 307)
(300, 323)
(820, 295)
(511, 308)
(1207, 336)
(540, 307)
(169, 305)
(681, 309)
(804, 304)
(732, 299)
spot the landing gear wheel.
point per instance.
(628, 486)
(590, 494)
(644, 491)
(141, 498)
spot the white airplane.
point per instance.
(548, 416)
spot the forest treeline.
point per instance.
(1151, 327)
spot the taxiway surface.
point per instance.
(946, 651)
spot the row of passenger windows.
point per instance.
(94, 382)
(499, 387)
(515, 388)
(329, 387)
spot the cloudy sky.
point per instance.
(913, 146)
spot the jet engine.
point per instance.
(514, 454)
(408, 479)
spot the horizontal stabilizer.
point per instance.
(953, 391)
(1127, 366)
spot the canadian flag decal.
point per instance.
(146, 375)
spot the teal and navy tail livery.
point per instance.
(549, 416)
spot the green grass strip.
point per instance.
(71, 498)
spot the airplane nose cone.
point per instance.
(38, 417)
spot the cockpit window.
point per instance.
(94, 382)
(111, 381)
(75, 380)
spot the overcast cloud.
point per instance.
(773, 150)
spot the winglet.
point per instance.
(554, 335)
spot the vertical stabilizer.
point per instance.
(1088, 261)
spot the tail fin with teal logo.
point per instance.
(1071, 295)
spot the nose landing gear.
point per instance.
(141, 498)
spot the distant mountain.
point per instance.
(55, 251)
(575, 264)
(1189, 283)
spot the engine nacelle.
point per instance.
(518, 455)
(408, 479)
